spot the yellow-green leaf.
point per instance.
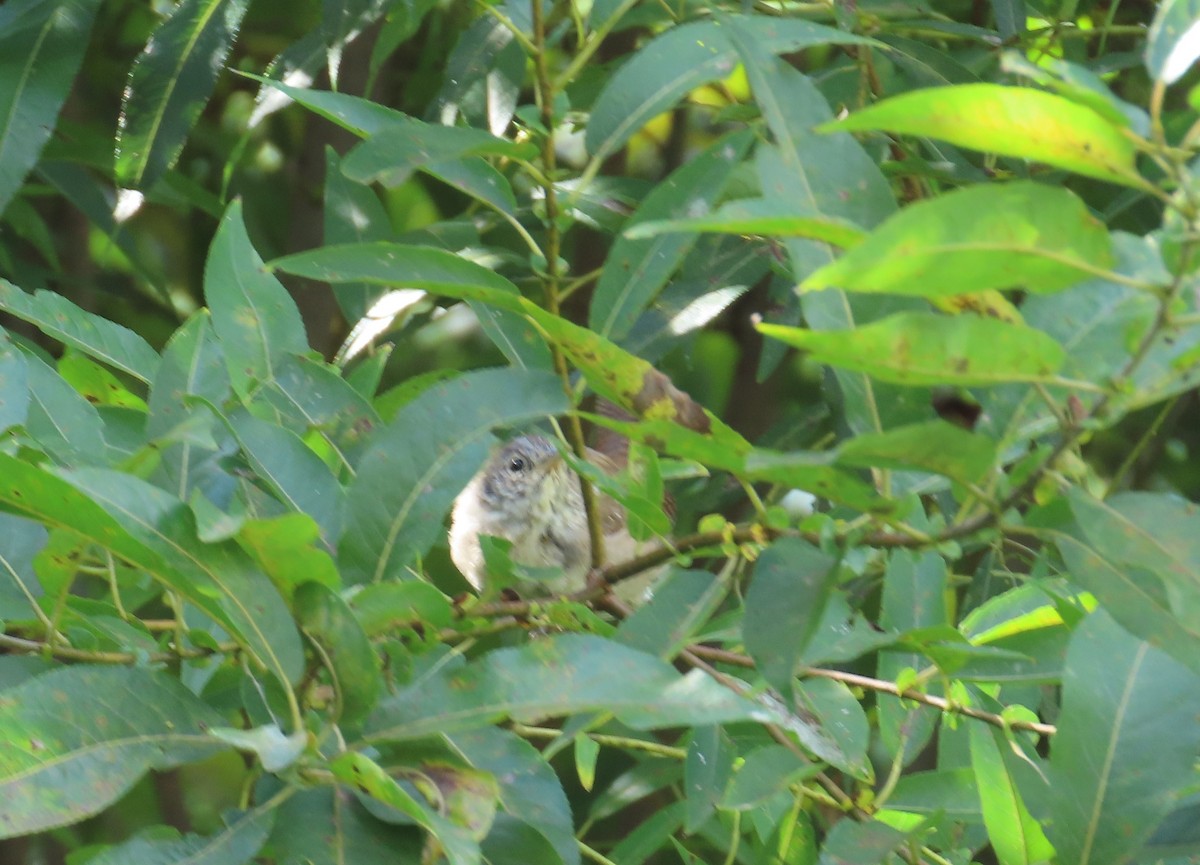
(1010, 121)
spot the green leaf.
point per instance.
(851, 843)
(706, 773)
(635, 270)
(289, 549)
(1011, 121)
(1173, 44)
(529, 789)
(433, 270)
(843, 724)
(1016, 836)
(353, 113)
(1126, 744)
(681, 604)
(234, 845)
(792, 582)
(219, 578)
(763, 773)
(252, 313)
(390, 155)
(354, 666)
(384, 607)
(558, 675)
(292, 470)
(64, 423)
(275, 750)
(169, 85)
(917, 348)
(682, 59)
(1018, 235)
(1142, 561)
(14, 386)
(78, 738)
(97, 337)
(477, 178)
(327, 826)
(353, 213)
(936, 446)
(423, 459)
(365, 775)
(42, 43)
(766, 217)
(914, 591)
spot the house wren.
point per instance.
(527, 494)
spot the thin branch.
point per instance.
(940, 703)
(545, 99)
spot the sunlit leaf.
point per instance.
(1011, 121)
(923, 348)
(1173, 44)
(1019, 235)
(169, 85)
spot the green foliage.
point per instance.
(934, 266)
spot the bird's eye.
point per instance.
(517, 465)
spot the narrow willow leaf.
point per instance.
(924, 348)
(1126, 744)
(423, 459)
(341, 22)
(236, 844)
(792, 582)
(766, 217)
(707, 770)
(914, 590)
(475, 176)
(1173, 45)
(635, 270)
(390, 155)
(252, 313)
(354, 664)
(936, 446)
(433, 270)
(1019, 235)
(682, 59)
(563, 674)
(1011, 121)
(219, 578)
(42, 43)
(292, 470)
(842, 721)
(353, 213)
(1079, 84)
(64, 423)
(97, 337)
(1016, 836)
(78, 738)
(765, 772)
(353, 113)
(169, 85)
(529, 790)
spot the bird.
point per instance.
(527, 494)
